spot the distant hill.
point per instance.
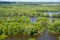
(36, 3)
(7, 2)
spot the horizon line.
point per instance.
(24, 1)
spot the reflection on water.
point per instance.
(33, 19)
(46, 36)
(50, 15)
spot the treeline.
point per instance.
(36, 3)
(1, 2)
(30, 3)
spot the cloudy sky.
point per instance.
(33, 0)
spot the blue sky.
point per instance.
(33, 0)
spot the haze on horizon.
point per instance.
(32, 0)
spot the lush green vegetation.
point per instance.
(58, 38)
(21, 25)
(55, 26)
(32, 39)
(56, 15)
(15, 19)
(11, 10)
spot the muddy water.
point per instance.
(44, 36)
(20, 37)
